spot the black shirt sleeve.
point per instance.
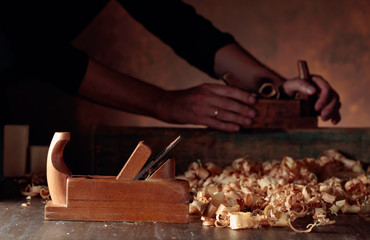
(40, 34)
(190, 35)
(63, 66)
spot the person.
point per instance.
(40, 34)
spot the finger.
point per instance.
(330, 110)
(227, 116)
(220, 125)
(336, 119)
(234, 93)
(326, 93)
(233, 106)
(298, 85)
(207, 115)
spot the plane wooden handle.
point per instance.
(307, 108)
(303, 72)
(56, 170)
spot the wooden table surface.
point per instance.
(113, 144)
(17, 222)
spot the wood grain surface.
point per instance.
(108, 199)
(27, 223)
(278, 113)
(167, 191)
(136, 162)
(112, 144)
(56, 170)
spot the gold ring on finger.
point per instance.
(215, 113)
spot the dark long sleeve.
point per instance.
(40, 33)
(190, 35)
(63, 66)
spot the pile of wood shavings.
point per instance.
(252, 194)
(33, 185)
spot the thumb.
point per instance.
(291, 87)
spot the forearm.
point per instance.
(110, 88)
(247, 72)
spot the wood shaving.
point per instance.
(250, 194)
(34, 185)
(35, 190)
(26, 204)
(269, 91)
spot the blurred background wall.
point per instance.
(333, 36)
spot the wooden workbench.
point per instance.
(17, 222)
(113, 145)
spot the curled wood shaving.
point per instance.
(33, 191)
(251, 194)
(309, 227)
(269, 91)
(44, 192)
(33, 185)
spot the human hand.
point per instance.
(217, 106)
(327, 104)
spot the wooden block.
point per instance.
(278, 108)
(141, 205)
(273, 113)
(136, 162)
(102, 211)
(166, 191)
(15, 150)
(38, 156)
(288, 123)
(98, 198)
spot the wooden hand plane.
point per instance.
(159, 198)
(275, 112)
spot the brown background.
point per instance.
(333, 36)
